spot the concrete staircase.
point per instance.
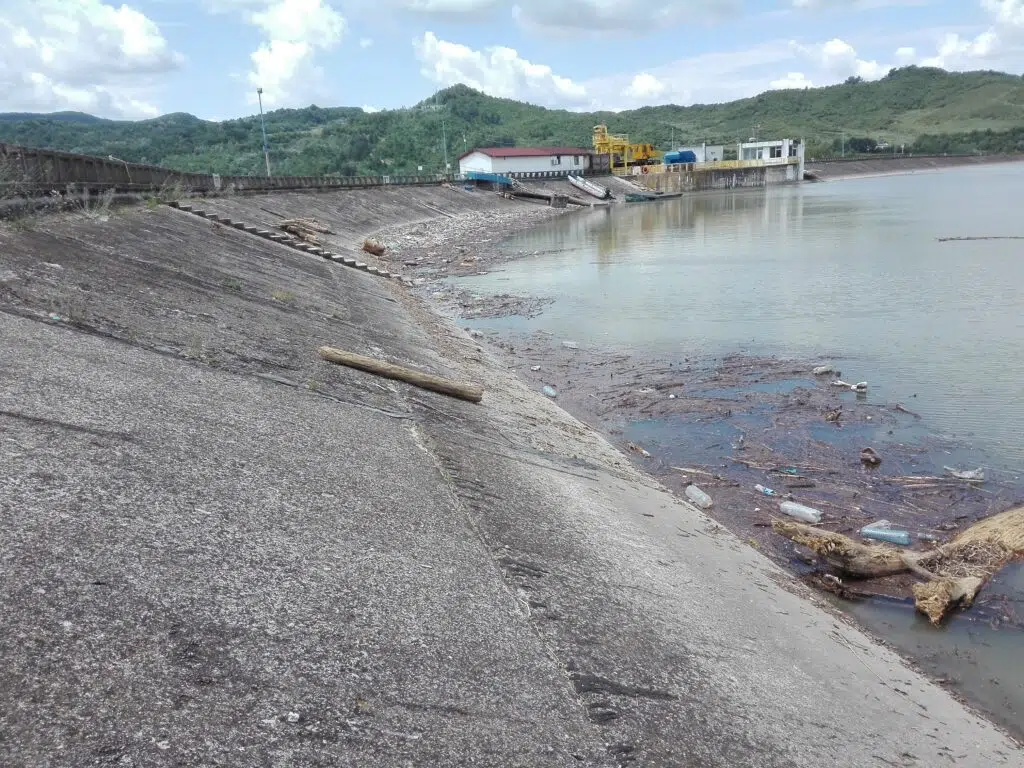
(286, 239)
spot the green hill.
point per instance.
(933, 110)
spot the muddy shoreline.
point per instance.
(723, 424)
(727, 424)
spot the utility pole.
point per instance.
(263, 128)
(444, 145)
(844, 144)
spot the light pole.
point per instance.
(263, 128)
(444, 141)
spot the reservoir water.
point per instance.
(850, 271)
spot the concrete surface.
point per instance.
(220, 550)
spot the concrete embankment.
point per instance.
(884, 166)
(220, 550)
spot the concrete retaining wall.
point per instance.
(700, 180)
(27, 171)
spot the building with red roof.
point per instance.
(527, 160)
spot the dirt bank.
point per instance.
(887, 166)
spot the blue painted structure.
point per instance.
(492, 178)
(680, 157)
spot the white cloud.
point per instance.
(1006, 12)
(790, 81)
(905, 55)
(86, 55)
(365, 42)
(576, 15)
(645, 87)
(498, 71)
(840, 59)
(955, 52)
(370, 110)
(284, 64)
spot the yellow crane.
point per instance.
(622, 154)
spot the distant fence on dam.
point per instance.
(27, 171)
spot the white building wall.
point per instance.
(545, 164)
(706, 153)
(476, 161)
(785, 150)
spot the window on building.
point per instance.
(792, 149)
(776, 151)
(576, 160)
(556, 160)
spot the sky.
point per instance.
(143, 58)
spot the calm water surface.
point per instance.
(849, 271)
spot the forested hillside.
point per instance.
(926, 109)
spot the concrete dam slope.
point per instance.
(220, 550)
(881, 166)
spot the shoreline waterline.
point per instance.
(522, 349)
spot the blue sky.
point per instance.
(140, 58)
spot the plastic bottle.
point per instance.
(698, 497)
(800, 512)
(766, 491)
(550, 391)
(892, 535)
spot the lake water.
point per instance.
(848, 271)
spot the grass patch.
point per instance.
(233, 285)
(285, 297)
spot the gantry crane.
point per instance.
(622, 154)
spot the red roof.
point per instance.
(527, 151)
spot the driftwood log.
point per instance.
(470, 392)
(305, 229)
(952, 574)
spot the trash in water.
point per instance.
(671, 397)
(800, 512)
(637, 449)
(860, 386)
(550, 391)
(970, 475)
(534, 368)
(870, 456)
(822, 370)
(789, 471)
(570, 345)
(882, 530)
(763, 490)
(834, 415)
(698, 497)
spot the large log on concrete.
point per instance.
(470, 392)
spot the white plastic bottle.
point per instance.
(698, 497)
(800, 512)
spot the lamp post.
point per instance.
(444, 144)
(263, 128)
